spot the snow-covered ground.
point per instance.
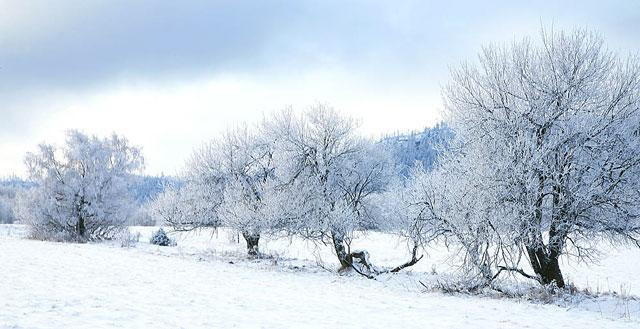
(206, 282)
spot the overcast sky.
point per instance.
(170, 75)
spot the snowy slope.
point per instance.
(56, 285)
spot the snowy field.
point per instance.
(206, 282)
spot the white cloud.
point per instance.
(170, 119)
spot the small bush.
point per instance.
(45, 234)
(160, 238)
(128, 239)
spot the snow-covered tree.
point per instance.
(559, 122)
(189, 206)
(81, 190)
(454, 204)
(329, 175)
(239, 167)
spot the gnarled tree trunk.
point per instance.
(546, 266)
(252, 240)
(341, 251)
(346, 257)
(544, 259)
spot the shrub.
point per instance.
(160, 238)
(128, 239)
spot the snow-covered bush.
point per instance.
(128, 239)
(81, 190)
(160, 238)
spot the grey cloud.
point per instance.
(184, 38)
(75, 45)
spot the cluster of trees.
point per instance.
(545, 162)
(308, 175)
(540, 159)
(7, 215)
(10, 189)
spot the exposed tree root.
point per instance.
(359, 260)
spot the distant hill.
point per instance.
(423, 147)
(145, 188)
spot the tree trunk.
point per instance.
(544, 261)
(80, 227)
(553, 273)
(252, 243)
(343, 256)
(546, 266)
(347, 257)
